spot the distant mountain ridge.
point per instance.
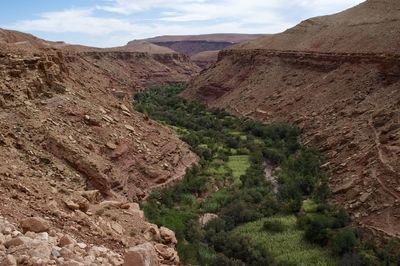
(217, 37)
(203, 49)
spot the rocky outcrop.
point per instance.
(143, 68)
(71, 143)
(144, 254)
(52, 247)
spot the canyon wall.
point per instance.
(76, 153)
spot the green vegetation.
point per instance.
(239, 165)
(288, 245)
(256, 226)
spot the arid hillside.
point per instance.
(76, 154)
(338, 77)
(202, 49)
(146, 47)
(371, 27)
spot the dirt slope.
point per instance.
(347, 103)
(371, 27)
(70, 140)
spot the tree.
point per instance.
(345, 240)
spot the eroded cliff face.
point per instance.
(139, 70)
(202, 49)
(74, 151)
(348, 106)
(194, 47)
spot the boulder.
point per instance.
(111, 145)
(18, 241)
(152, 234)
(364, 197)
(117, 228)
(35, 224)
(9, 260)
(206, 218)
(124, 108)
(71, 205)
(66, 240)
(344, 187)
(77, 202)
(141, 255)
(165, 252)
(130, 128)
(168, 236)
(39, 250)
(93, 196)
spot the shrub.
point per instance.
(318, 230)
(240, 212)
(342, 218)
(345, 240)
(390, 253)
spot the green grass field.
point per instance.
(287, 246)
(239, 164)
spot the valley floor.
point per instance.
(226, 210)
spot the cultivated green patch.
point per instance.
(239, 165)
(287, 246)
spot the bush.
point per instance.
(342, 218)
(241, 248)
(345, 240)
(390, 253)
(318, 230)
(275, 226)
(240, 212)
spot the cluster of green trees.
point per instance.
(215, 136)
(330, 227)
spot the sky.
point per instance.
(109, 23)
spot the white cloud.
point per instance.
(133, 6)
(122, 20)
(74, 21)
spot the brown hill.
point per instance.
(371, 27)
(74, 151)
(347, 102)
(217, 37)
(146, 47)
(23, 41)
(202, 49)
